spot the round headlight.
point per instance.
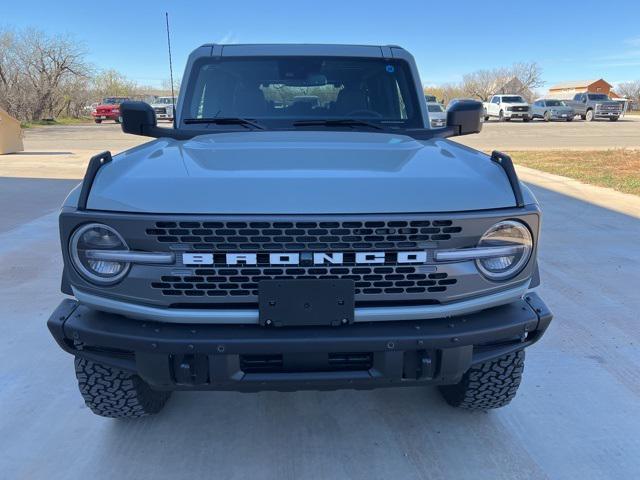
(85, 246)
(508, 233)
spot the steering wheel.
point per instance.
(365, 113)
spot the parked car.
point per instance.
(108, 109)
(552, 109)
(163, 106)
(506, 107)
(344, 244)
(595, 105)
(437, 115)
(430, 98)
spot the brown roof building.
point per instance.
(567, 90)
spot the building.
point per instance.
(567, 90)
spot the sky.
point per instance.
(447, 38)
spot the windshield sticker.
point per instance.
(390, 68)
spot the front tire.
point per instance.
(501, 116)
(613, 119)
(113, 393)
(98, 121)
(489, 385)
(547, 117)
(589, 116)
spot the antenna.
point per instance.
(173, 96)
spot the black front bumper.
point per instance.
(252, 357)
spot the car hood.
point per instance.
(289, 172)
(518, 104)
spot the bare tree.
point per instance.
(630, 90)
(35, 70)
(482, 84)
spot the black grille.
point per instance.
(520, 109)
(334, 362)
(160, 109)
(300, 236)
(243, 281)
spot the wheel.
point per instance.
(488, 385)
(613, 119)
(501, 116)
(525, 119)
(547, 117)
(570, 119)
(109, 392)
(486, 118)
(583, 117)
(589, 116)
(98, 121)
(118, 120)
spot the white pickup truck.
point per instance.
(506, 107)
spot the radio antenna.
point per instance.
(173, 96)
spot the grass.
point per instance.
(57, 121)
(618, 169)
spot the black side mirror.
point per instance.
(465, 117)
(138, 118)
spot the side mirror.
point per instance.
(464, 116)
(138, 118)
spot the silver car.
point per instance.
(552, 109)
(437, 115)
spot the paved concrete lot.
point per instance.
(63, 151)
(577, 414)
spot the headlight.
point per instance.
(509, 109)
(506, 233)
(85, 246)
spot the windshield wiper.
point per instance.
(225, 121)
(347, 122)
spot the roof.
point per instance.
(302, 49)
(576, 84)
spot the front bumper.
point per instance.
(525, 115)
(252, 358)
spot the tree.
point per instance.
(630, 90)
(35, 69)
(112, 83)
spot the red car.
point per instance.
(108, 109)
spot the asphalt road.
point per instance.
(577, 414)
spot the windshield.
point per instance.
(435, 108)
(555, 103)
(113, 100)
(282, 90)
(513, 99)
(598, 96)
(164, 101)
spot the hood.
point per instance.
(108, 106)
(289, 172)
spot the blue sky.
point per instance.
(448, 38)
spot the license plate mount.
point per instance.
(308, 302)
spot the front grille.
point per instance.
(243, 281)
(520, 109)
(162, 110)
(334, 362)
(304, 236)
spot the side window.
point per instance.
(495, 100)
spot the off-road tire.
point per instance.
(109, 392)
(590, 116)
(488, 385)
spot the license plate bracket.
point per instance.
(308, 302)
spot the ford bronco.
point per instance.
(273, 242)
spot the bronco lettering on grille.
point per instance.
(303, 258)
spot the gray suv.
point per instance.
(301, 227)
